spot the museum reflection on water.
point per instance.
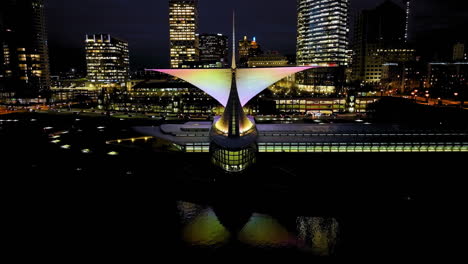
(201, 227)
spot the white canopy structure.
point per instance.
(250, 82)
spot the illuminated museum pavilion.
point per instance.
(233, 135)
(233, 139)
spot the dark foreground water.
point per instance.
(61, 204)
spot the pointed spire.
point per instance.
(234, 122)
(234, 66)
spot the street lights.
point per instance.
(461, 99)
(415, 95)
(427, 96)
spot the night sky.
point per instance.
(144, 24)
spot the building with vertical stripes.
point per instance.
(322, 33)
(183, 27)
(25, 70)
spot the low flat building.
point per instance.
(268, 60)
(202, 64)
(448, 79)
(164, 97)
(356, 137)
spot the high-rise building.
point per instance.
(407, 4)
(322, 38)
(380, 38)
(322, 31)
(2, 55)
(248, 49)
(214, 48)
(244, 47)
(255, 48)
(459, 52)
(183, 27)
(107, 60)
(24, 70)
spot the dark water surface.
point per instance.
(63, 204)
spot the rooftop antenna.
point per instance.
(234, 66)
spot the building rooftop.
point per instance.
(174, 134)
(198, 132)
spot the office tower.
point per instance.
(23, 43)
(380, 37)
(183, 27)
(322, 31)
(255, 48)
(322, 38)
(248, 49)
(459, 52)
(107, 60)
(244, 47)
(408, 13)
(213, 48)
(2, 55)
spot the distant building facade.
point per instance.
(183, 27)
(213, 48)
(322, 38)
(459, 53)
(244, 47)
(380, 37)
(202, 64)
(248, 49)
(322, 31)
(24, 65)
(269, 59)
(107, 60)
(403, 77)
(164, 97)
(326, 106)
(375, 61)
(445, 79)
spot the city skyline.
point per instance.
(300, 129)
(148, 35)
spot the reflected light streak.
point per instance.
(265, 231)
(317, 234)
(206, 230)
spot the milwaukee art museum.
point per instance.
(234, 139)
